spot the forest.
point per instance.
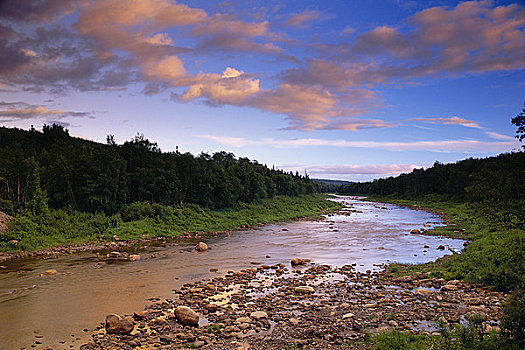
(494, 179)
(486, 197)
(50, 168)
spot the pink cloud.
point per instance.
(302, 18)
(376, 169)
(450, 121)
(10, 111)
(154, 42)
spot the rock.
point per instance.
(449, 287)
(441, 247)
(415, 231)
(134, 257)
(186, 316)
(422, 291)
(348, 315)
(115, 255)
(49, 272)
(403, 279)
(243, 320)
(297, 261)
(140, 315)
(393, 323)
(259, 315)
(116, 324)
(211, 307)
(243, 346)
(304, 289)
(294, 321)
(201, 247)
(198, 344)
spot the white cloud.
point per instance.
(445, 146)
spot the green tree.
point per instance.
(519, 121)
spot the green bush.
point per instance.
(513, 320)
(142, 219)
(396, 340)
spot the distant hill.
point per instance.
(327, 185)
(331, 182)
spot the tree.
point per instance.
(519, 121)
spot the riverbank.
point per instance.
(306, 307)
(495, 255)
(65, 232)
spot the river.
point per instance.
(54, 310)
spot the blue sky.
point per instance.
(342, 89)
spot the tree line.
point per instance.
(493, 179)
(51, 168)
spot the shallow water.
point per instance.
(57, 308)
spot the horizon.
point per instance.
(340, 90)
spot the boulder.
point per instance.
(297, 261)
(116, 324)
(186, 316)
(441, 247)
(134, 257)
(304, 289)
(449, 287)
(49, 272)
(201, 247)
(415, 231)
(139, 315)
(259, 315)
(114, 255)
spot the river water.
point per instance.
(54, 310)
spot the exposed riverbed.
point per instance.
(53, 310)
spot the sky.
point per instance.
(342, 89)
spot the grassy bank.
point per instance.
(496, 254)
(494, 257)
(31, 232)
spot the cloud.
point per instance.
(498, 136)
(377, 169)
(225, 140)
(11, 111)
(450, 121)
(466, 123)
(35, 11)
(302, 18)
(444, 146)
(113, 44)
(471, 37)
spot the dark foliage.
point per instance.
(493, 179)
(52, 168)
(519, 121)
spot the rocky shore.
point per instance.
(115, 243)
(296, 306)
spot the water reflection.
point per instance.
(84, 290)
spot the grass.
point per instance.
(496, 231)
(461, 337)
(144, 220)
